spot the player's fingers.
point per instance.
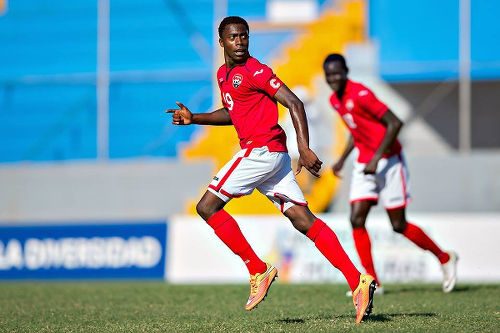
(180, 105)
(316, 164)
(298, 169)
(176, 118)
(314, 172)
(171, 110)
(337, 173)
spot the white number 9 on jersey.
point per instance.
(349, 120)
(229, 100)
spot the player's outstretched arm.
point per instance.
(393, 125)
(183, 116)
(307, 158)
(337, 166)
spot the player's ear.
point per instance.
(220, 42)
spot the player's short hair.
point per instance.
(336, 57)
(232, 20)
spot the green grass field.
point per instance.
(161, 307)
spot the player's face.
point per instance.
(235, 43)
(336, 75)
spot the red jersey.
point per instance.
(247, 91)
(361, 111)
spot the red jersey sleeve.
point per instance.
(262, 78)
(367, 100)
(220, 79)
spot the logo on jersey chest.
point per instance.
(349, 105)
(237, 79)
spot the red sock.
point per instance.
(420, 238)
(328, 244)
(229, 232)
(364, 248)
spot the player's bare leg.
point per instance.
(301, 217)
(328, 244)
(262, 275)
(448, 260)
(208, 205)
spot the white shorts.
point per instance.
(269, 172)
(390, 183)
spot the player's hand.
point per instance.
(181, 116)
(337, 167)
(370, 167)
(310, 161)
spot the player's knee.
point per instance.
(357, 221)
(398, 226)
(204, 210)
(301, 225)
(301, 219)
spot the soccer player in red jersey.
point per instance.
(380, 171)
(250, 92)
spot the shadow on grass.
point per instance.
(291, 321)
(418, 289)
(412, 289)
(437, 289)
(460, 289)
(383, 317)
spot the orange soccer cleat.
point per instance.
(362, 297)
(259, 286)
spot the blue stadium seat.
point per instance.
(47, 83)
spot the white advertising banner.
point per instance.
(196, 255)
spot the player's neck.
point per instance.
(230, 63)
(341, 91)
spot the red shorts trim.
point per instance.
(403, 180)
(230, 171)
(229, 195)
(374, 199)
(283, 198)
(397, 207)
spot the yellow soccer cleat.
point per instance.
(259, 286)
(362, 297)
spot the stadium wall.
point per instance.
(157, 188)
(184, 249)
(87, 220)
(84, 251)
(197, 256)
(124, 190)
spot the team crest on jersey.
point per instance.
(349, 104)
(237, 79)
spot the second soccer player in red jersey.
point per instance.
(250, 92)
(380, 171)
